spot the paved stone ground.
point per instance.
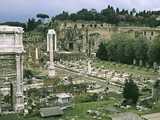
(63, 72)
(154, 116)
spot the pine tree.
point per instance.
(102, 52)
(131, 92)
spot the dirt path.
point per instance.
(154, 116)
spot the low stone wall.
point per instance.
(69, 56)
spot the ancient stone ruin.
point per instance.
(51, 47)
(11, 68)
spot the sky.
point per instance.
(21, 10)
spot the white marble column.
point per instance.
(19, 105)
(29, 56)
(36, 51)
(36, 56)
(55, 42)
(51, 68)
(22, 59)
(47, 43)
(0, 97)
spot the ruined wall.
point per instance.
(7, 76)
(8, 67)
(83, 36)
(33, 41)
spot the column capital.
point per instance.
(18, 57)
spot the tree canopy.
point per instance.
(131, 91)
(124, 48)
(42, 16)
(114, 16)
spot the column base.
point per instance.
(19, 108)
(37, 62)
(51, 71)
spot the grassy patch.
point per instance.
(135, 70)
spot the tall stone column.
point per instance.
(29, 57)
(0, 104)
(19, 105)
(0, 98)
(55, 42)
(51, 68)
(47, 43)
(36, 51)
(36, 56)
(84, 45)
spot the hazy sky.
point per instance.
(22, 9)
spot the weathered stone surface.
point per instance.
(11, 63)
(51, 47)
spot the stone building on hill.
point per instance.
(81, 38)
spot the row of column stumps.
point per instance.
(51, 48)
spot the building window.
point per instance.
(75, 26)
(152, 33)
(150, 38)
(145, 33)
(83, 25)
(71, 46)
(137, 34)
(91, 25)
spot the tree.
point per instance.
(32, 24)
(120, 48)
(156, 89)
(141, 49)
(73, 17)
(133, 12)
(131, 92)
(84, 14)
(102, 53)
(42, 16)
(154, 51)
(114, 16)
(63, 16)
(28, 73)
(108, 14)
(129, 50)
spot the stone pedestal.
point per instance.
(51, 70)
(30, 58)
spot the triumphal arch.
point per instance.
(11, 68)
